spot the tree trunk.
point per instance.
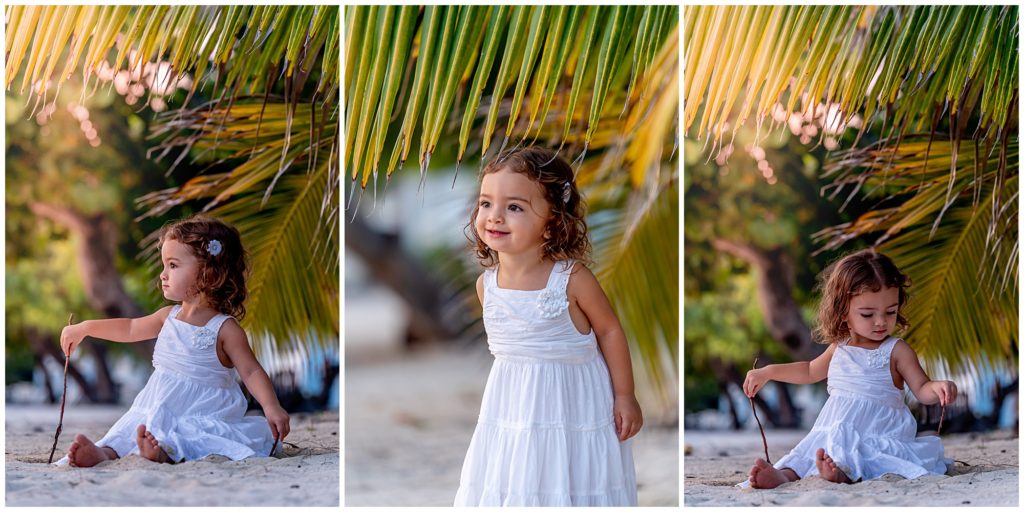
(42, 347)
(390, 265)
(95, 239)
(784, 416)
(734, 416)
(775, 276)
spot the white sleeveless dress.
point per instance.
(191, 403)
(865, 425)
(546, 434)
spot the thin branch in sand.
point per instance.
(763, 438)
(942, 416)
(63, 399)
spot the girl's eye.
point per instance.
(172, 265)
(890, 313)
(867, 315)
(515, 208)
(485, 204)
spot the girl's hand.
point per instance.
(945, 390)
(628, 418)
(756, 379)
(70, 337)
(278, 421)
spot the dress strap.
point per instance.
(560, 272)
(490, 279)
(888, 346)
(216, 322)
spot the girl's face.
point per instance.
(872, 315)
(513, 214)
(180, 270)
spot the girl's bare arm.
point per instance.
(586, 293)
(926, 391)
(120, 330)
(236, 346)
(801, 372)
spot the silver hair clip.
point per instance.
(566, 192)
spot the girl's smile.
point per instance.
(512, 213)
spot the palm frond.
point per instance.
(955, 234)
(638, 266)
(912, 64)
(241, 42)
(526, 59)
(290, 234)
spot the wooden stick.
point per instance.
(63, 399)
(764, 439)
(942, 416)
(273, 448)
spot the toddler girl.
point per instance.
(559, 405)
(192, 406)
(864, 429)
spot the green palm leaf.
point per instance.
(525, 59)
(914, 64)
(961, 253)
(636, 250)
(290, 235)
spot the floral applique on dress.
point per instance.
(203, 338)
(551, 302)
(878, 358)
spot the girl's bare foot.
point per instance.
(85, 454)
(766, 476)
(148, 446)
(828, 469)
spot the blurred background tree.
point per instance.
(925, 98)
(444, 87)
(237, 105)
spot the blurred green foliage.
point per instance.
(51, 161)
(732, 199)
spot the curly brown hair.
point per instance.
(566, 228)
(853, 274)
(221, 277)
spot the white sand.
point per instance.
(719, 460)
(306, 476)
(409, 420)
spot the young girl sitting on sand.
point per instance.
(864, 429)
(559, 404)
(192, 406)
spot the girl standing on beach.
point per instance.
(559, 406)
(864, 430)
(192, 406)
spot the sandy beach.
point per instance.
(986, 476)
(409, 420)
(304, 476)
